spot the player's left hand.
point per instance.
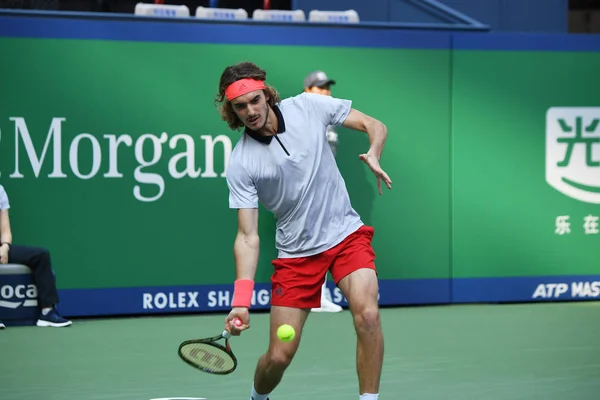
(373, 162)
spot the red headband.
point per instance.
(242, 87)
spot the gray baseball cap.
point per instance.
(317, 78)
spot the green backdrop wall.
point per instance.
(114, 157)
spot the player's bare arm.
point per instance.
(245, 252)
(377, 132)
(6, 235)
(246, 245)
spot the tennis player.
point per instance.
(283, 160)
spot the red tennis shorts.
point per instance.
(297, 282)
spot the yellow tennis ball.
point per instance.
(286, 333)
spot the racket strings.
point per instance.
(207, 357)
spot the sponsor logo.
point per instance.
(170, 300)
(573, 152)
(18, 296)
(223, 298)
(573, 290)
(111, 156)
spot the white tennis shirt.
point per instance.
(294, 175)
(4, 205)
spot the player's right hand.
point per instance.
(237, 321)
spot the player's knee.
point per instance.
(367, 318)
(280, 358)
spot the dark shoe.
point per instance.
(53, 319)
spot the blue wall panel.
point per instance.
(548, 16)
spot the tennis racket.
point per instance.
(209, 356)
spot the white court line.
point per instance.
(180, 398)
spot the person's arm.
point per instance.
(5, 236)
(246, 245)
(243, 197)
(376, 130)
(333, 111)
(245, 252)
(5, 232)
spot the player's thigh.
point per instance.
(354, 271)
(361, 289)
(296, 317)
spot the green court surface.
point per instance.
(491, 352)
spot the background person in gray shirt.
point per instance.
(318, 82)
(284, 161)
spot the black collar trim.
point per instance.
(267, 139)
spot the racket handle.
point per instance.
(226, 335)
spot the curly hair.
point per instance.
(234, 73)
